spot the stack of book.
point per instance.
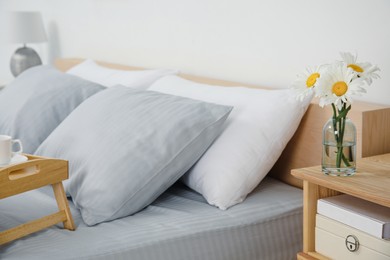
(351, 228)
(363, 215)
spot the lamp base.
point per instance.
(24, 58)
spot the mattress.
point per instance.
(178, 225)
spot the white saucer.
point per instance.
(17, 158)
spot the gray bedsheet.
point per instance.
(178, 225)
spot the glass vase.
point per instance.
(339, 147)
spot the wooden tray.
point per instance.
(35, 173)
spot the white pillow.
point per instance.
(107, 77)
(258, 129)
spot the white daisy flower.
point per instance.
(364, 70)
(306, 81)
(337, 85)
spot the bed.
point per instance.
(180, 223)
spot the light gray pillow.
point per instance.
(125, 147)
(37, 101)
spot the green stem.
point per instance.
(340, 142)
(339, 129)
(345, 160)
(335, 123)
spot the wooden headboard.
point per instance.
(304, 149)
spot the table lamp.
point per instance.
(25, 27)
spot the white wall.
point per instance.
(266, 42)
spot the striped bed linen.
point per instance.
(178, 225)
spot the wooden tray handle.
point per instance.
(28, 168)
(34, 166)
(32, 174)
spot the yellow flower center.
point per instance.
(312, 79)
(355, 67)
(340, 88)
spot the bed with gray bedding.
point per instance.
(133, 154)
(178, 225)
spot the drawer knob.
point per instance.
(352, 243)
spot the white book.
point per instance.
(366, 216)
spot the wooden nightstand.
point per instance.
(371, 182)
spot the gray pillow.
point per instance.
(37, 101)
(125, 147)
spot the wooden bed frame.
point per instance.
(304, 149)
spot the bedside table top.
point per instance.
(371, 181)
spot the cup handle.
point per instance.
(17, 141)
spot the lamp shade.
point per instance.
(26, 27)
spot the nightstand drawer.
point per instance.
(331, 236)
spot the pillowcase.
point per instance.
(37, 101)
(258, 129)
(125, 147)
(107, 77)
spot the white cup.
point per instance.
(6, 145)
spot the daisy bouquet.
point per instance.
(335, 84)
